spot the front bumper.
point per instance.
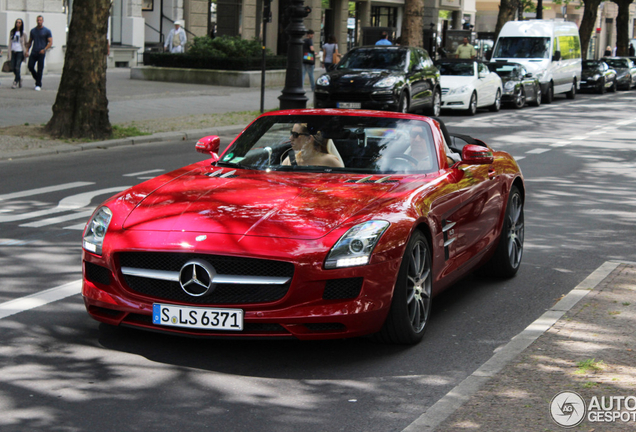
(315, 306)
(456, 101)
(384, 100)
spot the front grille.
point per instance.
(339, 289)
(96, 274)
(445, 91)
(223, 293)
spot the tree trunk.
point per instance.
(507, 9)
(588, 24)
(412, 24)
(81, 106)
(622, 27)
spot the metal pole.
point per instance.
(293, 95)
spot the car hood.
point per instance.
(350, 78)
(452, 81)
(590, 73)
(277, 204)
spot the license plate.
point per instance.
(197, 317)
(350, 105)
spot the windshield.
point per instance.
(617, 63)
(374, 58)
(334, 144)
(461, 69)
(592, 65)
(522, 47)
(504, 70)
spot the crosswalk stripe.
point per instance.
(58, 219)
(143, 172)
(42, 190)
(42, 298)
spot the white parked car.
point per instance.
(468, 85)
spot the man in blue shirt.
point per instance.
(40, 40)
(384, 39)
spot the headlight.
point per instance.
(96, 230)
(459, 90)
(509, 86)
(355, 247)
(323, 81)
(596, 77)
(386, 82)
(539, 75)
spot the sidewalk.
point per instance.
(149, 104)
(585, 344)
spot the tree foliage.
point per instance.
(81, 106)
(226, 46)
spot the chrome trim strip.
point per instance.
(151, 274)
(448, 226)
(229, 173)
(362, 180)
(383, 179)
(449, 241)
(215, 173)
(217, 279)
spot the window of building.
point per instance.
(383, 16)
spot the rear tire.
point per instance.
(613, 87)
(436, 109)
(410, 310)
(601, 89)
(403, 105)
(507, 258)
(537, 100)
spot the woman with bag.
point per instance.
(18, 51)
(330, 53)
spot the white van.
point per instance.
(549, 49)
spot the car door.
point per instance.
(480, 188)
(487, 85)
(528, 82)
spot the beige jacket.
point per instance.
(23, 42)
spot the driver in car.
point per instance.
(420, 151)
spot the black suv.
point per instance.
(388, 78)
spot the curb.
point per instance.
(145, 139)
(454, 399)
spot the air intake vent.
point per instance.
(371, 179)
(97, 274)
(340, 289)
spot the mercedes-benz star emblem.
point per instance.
(196, 278)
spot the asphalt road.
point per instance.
(62, 371)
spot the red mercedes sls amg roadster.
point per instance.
(312, 224)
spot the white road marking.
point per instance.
(42, 298)
(518, 158)
(625, 122)
(560, 143)
(538, 151)
(78, 227)
(580, 137)
(58, 219)
(143, 172)
(42, 190)
(69, 203)
(598, 132)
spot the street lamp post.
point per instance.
(293, 95)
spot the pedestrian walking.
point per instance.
(18, 51)
(384, 39)
(330, 50)
(40, 40)
(176, 39)
(608, 52)
(466, 50)
(631, 50)
(309, 58)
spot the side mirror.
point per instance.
(477, 155)
(556, 56)
(528, 75)
(209, 145)
(482, 74)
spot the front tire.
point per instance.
(411, 305)
(507, 258)
(497, 105)
(601, 88)
(520, 100)
(613, 87)
(472, 105)
(572, 93)
(537, 98)
(549, 95)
